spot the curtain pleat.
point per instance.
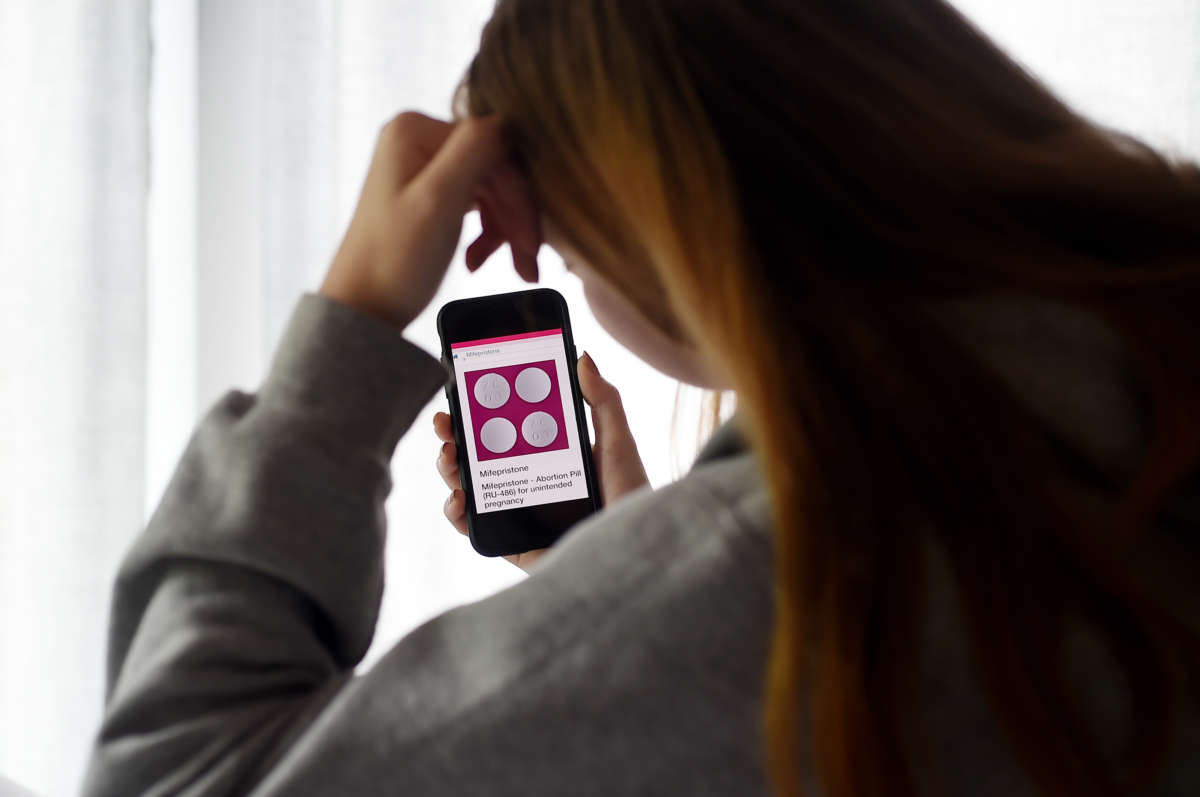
(74, 82)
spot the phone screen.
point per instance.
(519, 425)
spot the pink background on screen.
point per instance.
(516, 409)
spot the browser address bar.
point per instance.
(509, 351)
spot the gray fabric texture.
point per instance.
(629, 662)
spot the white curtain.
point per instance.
(1130, 64)
(173, 173)
(74, 81)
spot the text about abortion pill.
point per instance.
(506, 488)
(521, 430)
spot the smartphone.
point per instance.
(524, 455)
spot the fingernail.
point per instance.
(590, 362)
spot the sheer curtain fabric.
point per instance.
(174, 173)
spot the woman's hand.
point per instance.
(424, 177)
(619, 468)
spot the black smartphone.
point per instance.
(524, 454)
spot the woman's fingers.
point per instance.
(455, 507)
(491, 236)
(447, 466)
(617, 459)
(442, 427)
(514, 210)
(507, 215)
(473, 148)
(411, 139)
(447, 458)
(455, 510)
(424, 177)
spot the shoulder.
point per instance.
(630, 661)
(717, 517)
(680, 578)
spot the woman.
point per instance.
(948, 546)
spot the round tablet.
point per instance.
(492, 391)
(533, 385)
(498, 435)
(539, 429)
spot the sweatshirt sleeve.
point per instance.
(254, 590)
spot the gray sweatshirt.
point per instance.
(629, 662)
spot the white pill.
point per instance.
(533, 385)
(539, 429)
(498, 435)
(492, 391)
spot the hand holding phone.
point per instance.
(520, 434)
(619, 468)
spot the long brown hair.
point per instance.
(792, 186)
